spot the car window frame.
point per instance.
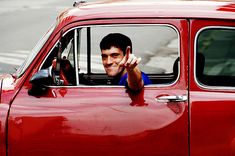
(204, 86)
(106, 25)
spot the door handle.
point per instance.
(172, 98)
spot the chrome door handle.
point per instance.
(172, 98)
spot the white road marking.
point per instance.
(14, 58)
(11, 61)
(23, 51)
(13, 55)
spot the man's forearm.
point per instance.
(134, 79)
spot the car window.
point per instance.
(157, 45)
(67, 61)
(35, 51)
(215, 56)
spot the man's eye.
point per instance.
(103, 56)
(115, 55)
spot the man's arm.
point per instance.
(134, 77)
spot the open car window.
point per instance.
(67, 67)
(157, 45)
(81, 62)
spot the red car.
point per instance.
(61, 102)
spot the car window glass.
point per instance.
(67, 63)
(157, 45)
(215, 57)
(82, 50)
(35, 51)
(68, 52)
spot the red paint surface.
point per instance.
(100, 120)
(89, 122)
(212, 110)
(111, 121)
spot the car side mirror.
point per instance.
(40, 81)
(42, 77)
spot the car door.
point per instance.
(212, 85)
(89, 119)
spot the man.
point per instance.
(120, 63)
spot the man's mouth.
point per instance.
(111, 67)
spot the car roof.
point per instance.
(150, 9)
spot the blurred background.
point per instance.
(23, 23)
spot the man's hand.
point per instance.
(130, 61)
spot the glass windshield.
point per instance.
(35, 51)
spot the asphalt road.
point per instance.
(23, 23)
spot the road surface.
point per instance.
(23, 23)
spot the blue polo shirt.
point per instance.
(145, 78)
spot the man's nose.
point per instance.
(109, 60)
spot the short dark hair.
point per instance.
(117, 40)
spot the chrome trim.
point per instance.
(172, 98)
(119, 25)
(76, 56)
(204, 86)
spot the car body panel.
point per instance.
(175, 9)
(212, 108)
(111, 120)
(3, 118)
(4, 108)
(6, 89)
(114, 126)
(102, 120)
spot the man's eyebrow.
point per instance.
(115, 54)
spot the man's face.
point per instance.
(111, 59)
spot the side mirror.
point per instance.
(39, 82)
(42, 77)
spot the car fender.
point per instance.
(4, 108)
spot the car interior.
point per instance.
(86, 75)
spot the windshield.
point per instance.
(35, 51)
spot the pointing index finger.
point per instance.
(128, 51)
(126, 57)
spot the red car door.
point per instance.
(105, 120)
(212, 94)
